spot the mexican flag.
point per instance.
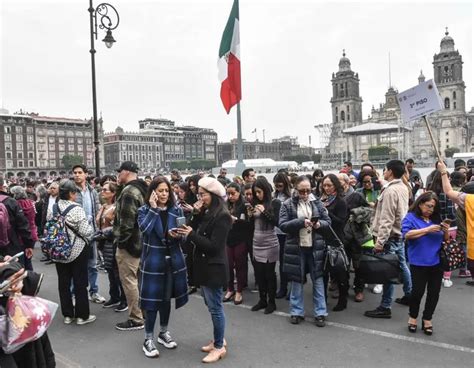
(229, 60)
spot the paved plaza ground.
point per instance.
(258, 340)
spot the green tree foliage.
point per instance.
(449, 152)
(70, 160)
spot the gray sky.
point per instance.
(164, 63)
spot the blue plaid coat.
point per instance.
(153, 264)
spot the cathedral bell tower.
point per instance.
(346, 105)
(447, 67)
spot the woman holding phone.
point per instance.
(423, 232)
(162, 266)
(211, 224)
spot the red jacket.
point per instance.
(28, 207)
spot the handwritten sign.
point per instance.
(422, 100)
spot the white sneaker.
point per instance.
(149, 348)
(68, 320)
(96, 298)
(447, 283)
(165, 339)
(81, 321)
(377, 289)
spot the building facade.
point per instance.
(33, 145)
(158, 143)
(276, 150)
(452, 126)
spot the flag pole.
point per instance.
(432, 138)
(240, 166)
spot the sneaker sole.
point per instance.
(121, 310)
(68, 322)
(130, 328)
(150, 355)
(111, 305)
(174, 345)
(81, 323)
(383, 317)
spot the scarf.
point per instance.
(469, 205)
(327, 199)
(304, 210)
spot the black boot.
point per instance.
(271, 296)
(262, 303)
(342, 301)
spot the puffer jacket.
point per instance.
(126, 231)
(291, 225)
(357, 230)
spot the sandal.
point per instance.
(238, 301)
(412, 326)
(428, 330)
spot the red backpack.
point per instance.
(5, 226)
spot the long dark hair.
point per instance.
(265, 186)
(154, 184)
(436, 184)
(335, 181)
(423, 198)
(282, 178)
(217, 205)
(232, 207)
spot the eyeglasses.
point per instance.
(304, 191)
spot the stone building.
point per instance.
(158, 143)
(452, 126)
(33, 145)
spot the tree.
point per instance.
(382, 153)
(449, 152)
(179, 165)
(317, 158)
(70, 160)
(202, 164)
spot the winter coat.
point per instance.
(157, 245)
(20, 235)
(105, 240)
(78, 228)
(209, 237)
(291, 225)
(357, 230)
(28, 207)
(94, 201)
(126, 232)
(241, 228)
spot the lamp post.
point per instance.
(107, 18)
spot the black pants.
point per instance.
(115, 286)
(266, 280)
(429, 278)
(77, 272)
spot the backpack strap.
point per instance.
(64, 213)
(3, 197)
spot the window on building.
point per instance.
(31, 164)
(30, 147)
(19, 146)
(8, 146)
(9, 155)
(343, 116)
(31, 155)
(29, 130)
(19, 129)
(70, 147)
(7, 130)
(19, 138)
(61, 148)
(446, 103)
(454, 95)
(454, 104)
(20, 163)
(51, 147)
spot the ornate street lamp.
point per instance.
(106, 17)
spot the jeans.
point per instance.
(92, 269)
(296, 294)
(429, 278)
(396, 246)
(213, 299)
(150, 318)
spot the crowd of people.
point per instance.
(161, 239)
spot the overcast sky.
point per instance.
(164, 63)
